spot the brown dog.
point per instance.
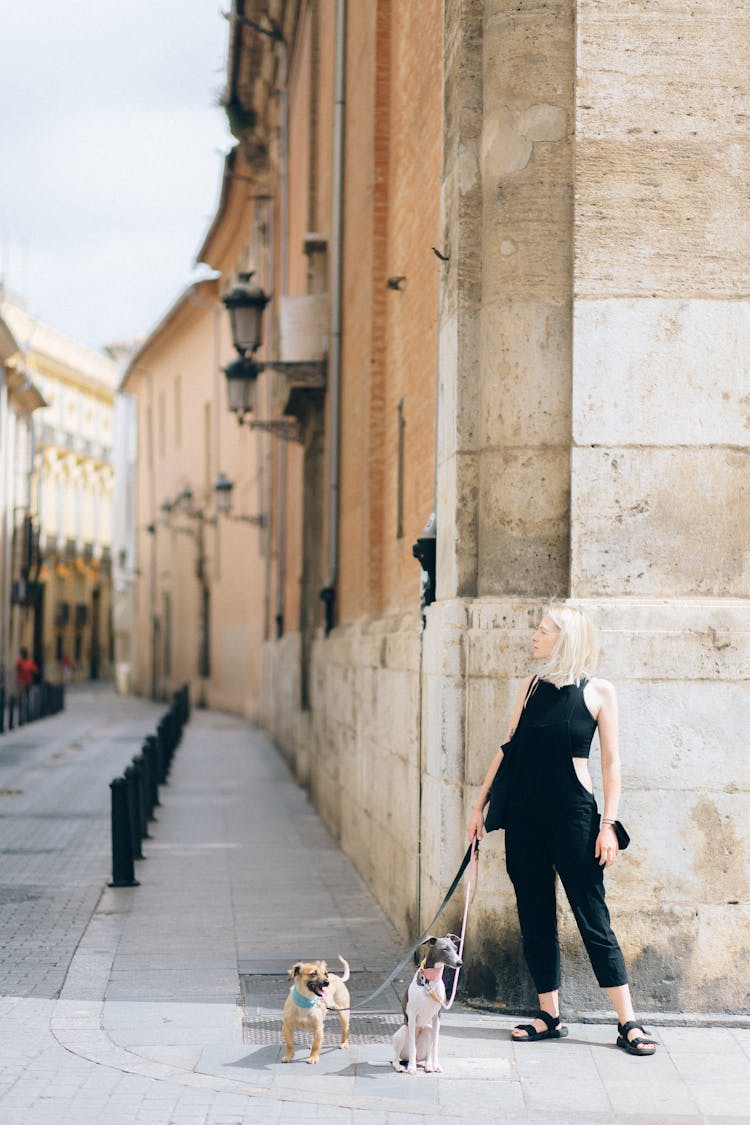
(313, 993)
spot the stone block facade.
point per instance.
(591, 444)
(543, 340)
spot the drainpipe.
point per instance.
(328, 593)
(284, 286)
(265, 441)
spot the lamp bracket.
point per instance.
(256, 521)
(310, 373)
(285, 428)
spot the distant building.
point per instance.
(66, 618)
(19, 398)
(124, 525)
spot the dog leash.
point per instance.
(472, 853)
(471, 890)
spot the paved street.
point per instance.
(55, 831)
(170, 993)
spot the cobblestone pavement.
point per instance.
(54, 831)
(240, 880)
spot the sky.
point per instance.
(111, 154)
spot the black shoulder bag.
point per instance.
(497, 813)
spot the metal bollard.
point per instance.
(162, 731)
(11, 711)
(134, 812)
(179, 708)
(162, 757)
(150, 753)
(137, 761)
(147, 788)
(174, 726)
(21, 709)
(123, 871)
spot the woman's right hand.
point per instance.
(475, 826)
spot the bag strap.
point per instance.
(529, 692)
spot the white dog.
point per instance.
(417, 1041)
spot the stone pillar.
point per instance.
(593, 444)
(660, 538)
(460, 303)
(503, 440)
(527, 240)
(443, 695)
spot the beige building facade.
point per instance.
(19, 559)
(199, 595)
(527, 225)
(65, 619)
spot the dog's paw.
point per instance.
(433, 1069)
(411, 1069)
(312, 1060)
(288, 1058)
(398, 1066)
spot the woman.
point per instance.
(553, 823)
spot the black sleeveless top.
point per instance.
(549, 704)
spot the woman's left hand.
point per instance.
(606, 846)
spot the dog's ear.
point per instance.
(294, 971)
(429, 941)
(455, 939)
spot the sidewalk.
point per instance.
(170, 1009)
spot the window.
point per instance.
(178, 411)
(207, 443)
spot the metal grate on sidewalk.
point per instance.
(263, 996)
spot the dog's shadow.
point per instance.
(264, 1058)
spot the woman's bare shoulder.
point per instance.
(604, 690)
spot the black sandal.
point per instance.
(554, 1029)
(633, 1046)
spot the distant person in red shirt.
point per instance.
(26, 670)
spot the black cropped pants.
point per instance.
(560, 840)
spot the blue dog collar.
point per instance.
(302, 1001)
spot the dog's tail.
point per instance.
(346, 967)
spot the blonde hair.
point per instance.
(576, 652)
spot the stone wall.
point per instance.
(592, 443)
(358, 748)
(680, 896)
(280, 702)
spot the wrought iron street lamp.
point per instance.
(223, 488)
(242, 377)
(245, 303)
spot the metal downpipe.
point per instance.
(328, 593)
